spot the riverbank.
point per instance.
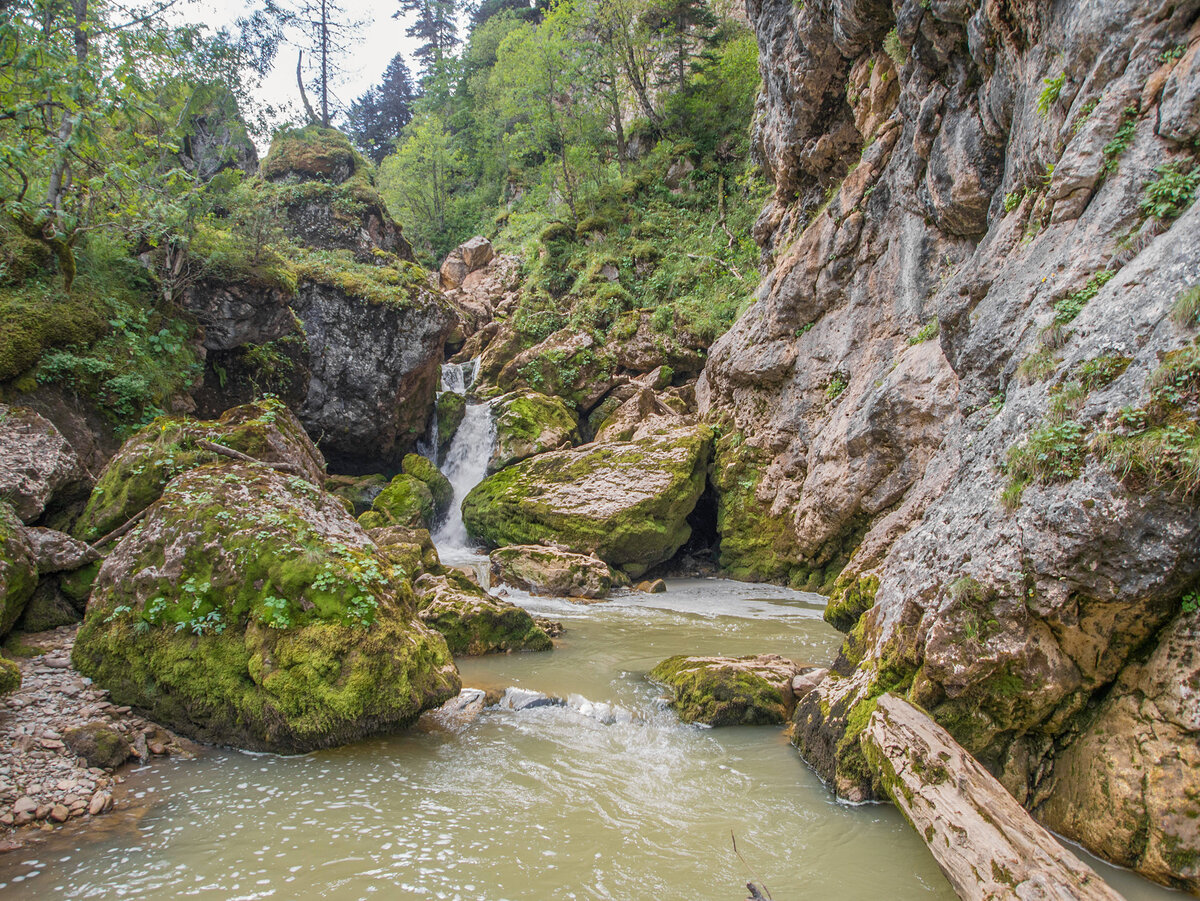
(56, 728)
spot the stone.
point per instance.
(729, 691)
(984, 842)
(656, 586)
(410, 549)
(266, 430)
(807, 680)
(453, 270)
(99, 744)
(39, 470)
(627, 503)
(569, 364)
(309, 640)
(47, 609)
(60, 813)
(529, 423)
(358, 491)
(406, 501)
(57, 551)
(101, 802)
(24, 804)
(439, 486)
(549, 571)
(476, 252)
(18, 569)
(473, 622)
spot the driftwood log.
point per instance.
(988, 846)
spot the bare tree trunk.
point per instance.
(312, 117)
(325, 63)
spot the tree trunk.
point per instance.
(312, 116)
(325, 63)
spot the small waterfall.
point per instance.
(465, 464)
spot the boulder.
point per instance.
(249, 609)
(410, 549)
(439, 486)
(101, 745)
(39, 470)
(729, 691)
(266, 430)
(646, 413)
(476, 252)
(49, 608)
(18, 569)
(627, 503)
(453, 270)
(406, 501)
(57, 551)
(10, 676)
(529, 423)
(474, 622)
(655, 586)
(359, 492)
(568, 364)
(549, 571)
(451, 408)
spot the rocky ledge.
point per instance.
(64, 741)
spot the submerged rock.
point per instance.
(729, 691)
(266, 430)
(627, 502)
(549, 571)
(39, 469)
(249, 609)
(474, 622)
(527, 424)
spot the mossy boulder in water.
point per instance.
(729, 691)
(18, 570)
(266, 430)
(248, 608)
(626, 502)
(99, 744)
(473, 621)
(451, 408)
(439, 486)
(406, 501)
(550, 571)
(529, 423)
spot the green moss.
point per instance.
(36, 316)
(439, 486)
(10, 676)
(310, 153)
(261, 631)
(530, 423)
(851, 598)
(720, 695)
(230, 257)
(473, 622)
(18, 573)
(358, 491)
(451, 408)
(406, 501)
(400, 285)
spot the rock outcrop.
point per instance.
(964, 398)
(18, 569)
(729, 691)
(249, 609)
(626, 502)
(552, 572)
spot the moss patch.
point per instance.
(439, 486)
(18, 572)
(851, 598)
(10, 676)
(406, 501)
(720, 695)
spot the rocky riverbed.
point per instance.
(65, 742)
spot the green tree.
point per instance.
(436, 25)
(418, 179)
(376, 119)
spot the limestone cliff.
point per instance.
(969, 386)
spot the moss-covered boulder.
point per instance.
(529, 423)
(410, 549)
(18, 570)
(474, 622)
(406, 501)
(359, 492)
(249, 609)
(549, 571)
(569, 364)
(312, 153)
(451, 408)
(99, 744)
(626, 502)
(729, 691)
(266, 430)
(439, 486)
(10, 676)
(48, 608)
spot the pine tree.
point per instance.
(436, 25)
(688, 27)
(375, 119)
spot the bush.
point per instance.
(1171, 193)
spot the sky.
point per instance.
(373, 47)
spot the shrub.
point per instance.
(928, 331)
(1171, 193)
(1054, 452)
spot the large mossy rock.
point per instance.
(266, 430)
(410, 549)
(39, 470)
(626, 502)
(474, 622)
(439, 486)
(406, 501)
(527, 424)
(552, 572)
(18, 569)
(249, 609)
(359, 492)
(451, 408)
(729, 691)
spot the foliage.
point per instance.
(1053, 452)
(1121, 140)
(375, 119)
(896, 50)
(927, 332)
(1052, 88)
(1186, 310)
(1171, 193)
(1072, 305)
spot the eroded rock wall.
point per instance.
(965, 399)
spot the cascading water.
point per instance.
(465, 464)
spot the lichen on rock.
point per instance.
(729, 691)
(542, 570)
(527, 424)
(474, 622)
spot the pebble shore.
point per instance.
(42, 782)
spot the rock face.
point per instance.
(548, 571)
(627, 503)
(135, 477)
(473, 622)
(985, 844)
(962, 400)
(18, 569)
(249, 609)
(529, 423)
(349, 330)
(729, 691)
(39, 470)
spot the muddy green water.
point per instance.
(607, 797)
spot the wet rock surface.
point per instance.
(729, 691)
(473, 621)
(552, 572)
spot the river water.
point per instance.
(605, 796)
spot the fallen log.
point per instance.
(232, 454)
(985, 843)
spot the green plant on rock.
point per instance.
(837, 384)
(1054, 452)
(1052, 88)
(895, 49)
(1166, 197)
(1115, 148)
(1013, 199)
(1101, 371)
(1186, 309)
(1072, 305)
(926, 333)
